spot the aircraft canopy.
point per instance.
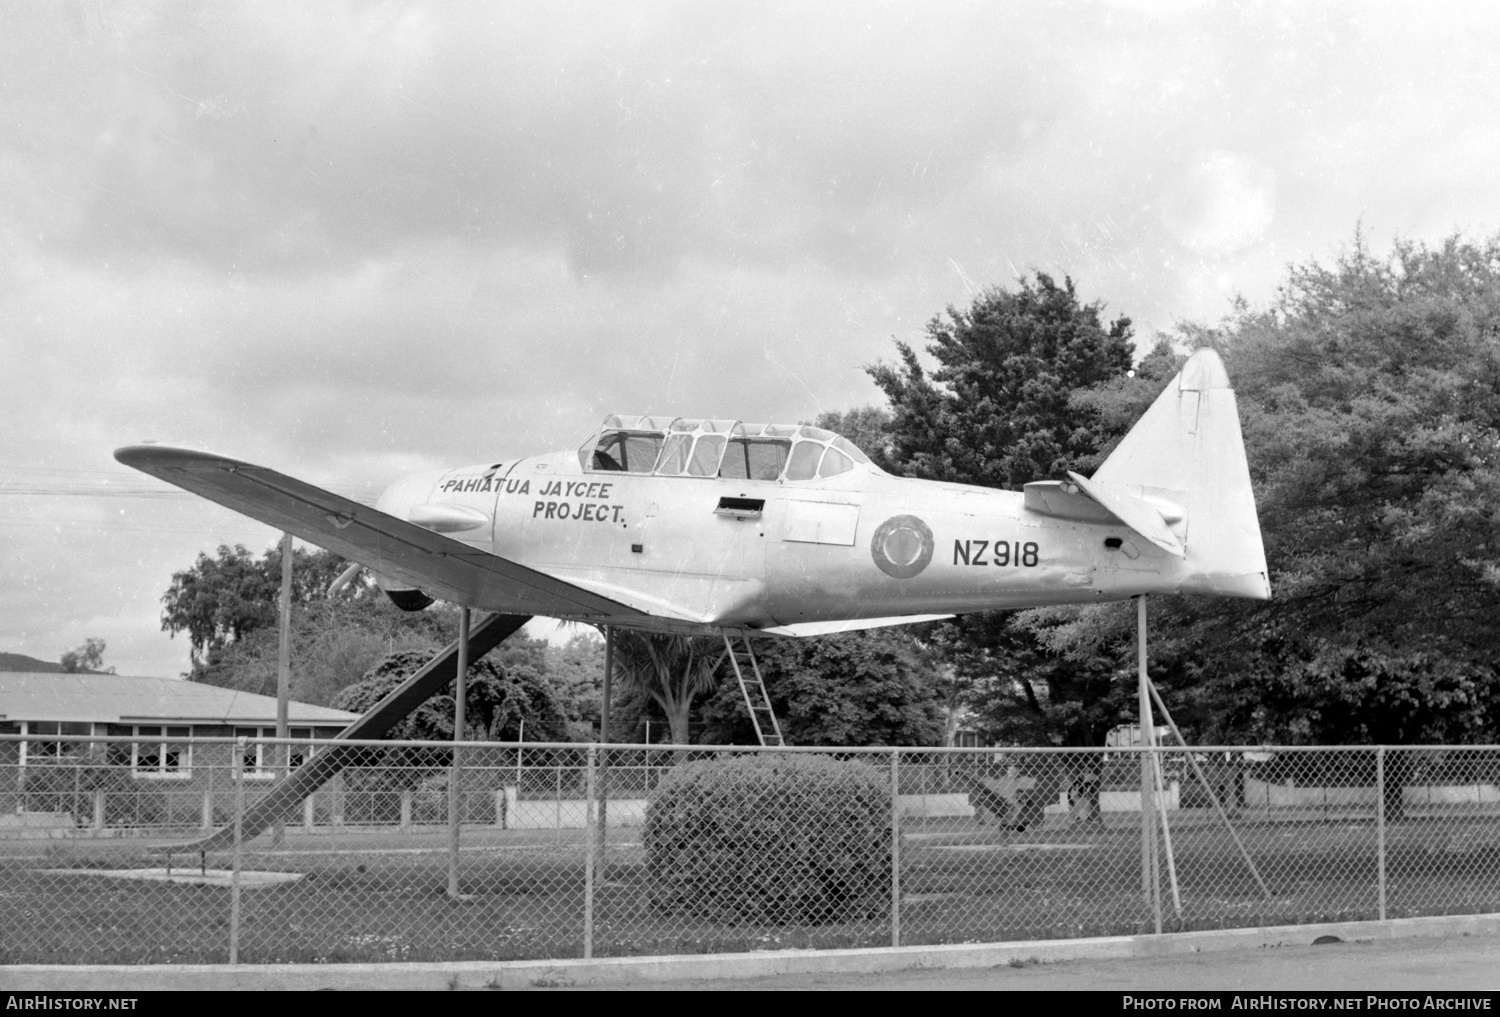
(732, 449)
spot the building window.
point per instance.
(51, 752)
(260, 760)
(157, 751)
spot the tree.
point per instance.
(1369, 390)
(1006, 406)
(997, 410)
(88, 658)
(576, 670)
(221, 600)
(859, 688)
(674, 671)
(869, 427)
(334, 642)
(497, 700)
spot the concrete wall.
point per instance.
(1262, 794)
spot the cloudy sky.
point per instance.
(353, 240)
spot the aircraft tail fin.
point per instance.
(1182, 471)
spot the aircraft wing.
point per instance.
(438, 565)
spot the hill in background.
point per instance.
(21, 662)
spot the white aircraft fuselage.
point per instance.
(765, 554)
(706, 525)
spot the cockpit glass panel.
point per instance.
(641, 451)
(815, 433)
(674, 455)
(781, 430)
(767, 458)
(620, 451)
(684, 424)
(736, 465)
(609, 453)
(751, 430)
(707, 451)
(754, 459)
(834, 463)
(804, 462)
(850, 449)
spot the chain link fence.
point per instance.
(565, 850)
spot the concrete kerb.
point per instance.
(603, 972)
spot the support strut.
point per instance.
(283, 797)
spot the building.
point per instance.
(156, 757)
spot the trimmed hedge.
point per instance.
(770, 840)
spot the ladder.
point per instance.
(753, 687)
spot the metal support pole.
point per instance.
(604, 712)
(1150, 883)
(455, 773)
(283, 674)
(1380, 824)
(1203, 778)
(591, 847)
(1166, 832)
(237, 768)
(895, 848)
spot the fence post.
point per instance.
(98, 809)
(590, 822)
(237, 768)
(895, 848)
(406, 809)
(1380, 825)
(206, 817)
(309, 813)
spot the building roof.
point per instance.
(120, 699)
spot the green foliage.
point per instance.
(770, 839)
(997, 410)
(86, 659)
(333, 644)
(69, 786)
(222, 599)
(859, 688)
(497, 699)
(673, 671)
(1370, 396)
(1029, 384)
(1021, 689)
(869, 427)
(576, 671)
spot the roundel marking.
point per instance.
(901, 547)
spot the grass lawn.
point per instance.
(381, 896)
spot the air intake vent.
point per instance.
(740, 508)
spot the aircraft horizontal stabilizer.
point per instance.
(1134, 512)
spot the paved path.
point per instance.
(1408, 965)
(1458, 953)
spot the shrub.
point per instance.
(69, 786)
(770, 839)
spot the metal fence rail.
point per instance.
(587, 850)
